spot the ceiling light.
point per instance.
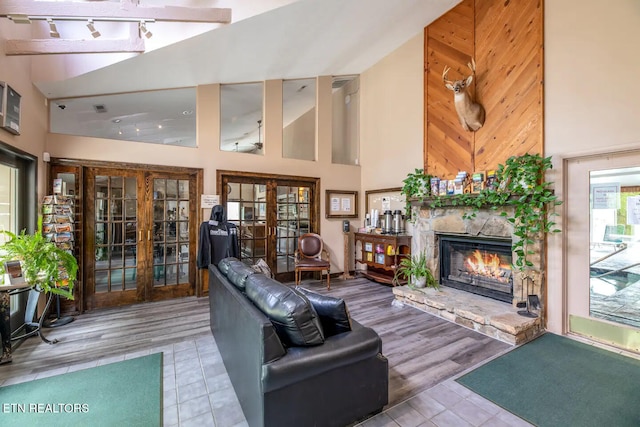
(159, 126)
(19, 18)
(95, 33)
(144, 30)
(53, 31)
(116, 120)
(187, 112)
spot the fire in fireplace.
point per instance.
(478, 265)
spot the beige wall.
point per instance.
(15, 71)
(592, 100)
(392, 116)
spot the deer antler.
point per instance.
(472, 65)
(444, 75)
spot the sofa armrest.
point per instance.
(304, 362)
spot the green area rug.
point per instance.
(557, 381)
(127, 393)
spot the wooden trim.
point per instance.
(123, 165)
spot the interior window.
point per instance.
(345, 147)
(159, 116)
(241, 126)
(299, 119)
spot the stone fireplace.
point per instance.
(471, 258)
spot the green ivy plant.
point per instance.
(44, 264)
(416, 186)
(520, 185)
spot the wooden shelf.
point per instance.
(381, 253)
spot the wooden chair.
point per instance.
(311, 256)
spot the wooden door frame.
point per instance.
(223, 176)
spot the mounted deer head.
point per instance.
(470, 113)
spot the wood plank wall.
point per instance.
(505, 38)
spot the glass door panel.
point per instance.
(170, 231)
(292, 207)
(615, 249)
(248, 210)
(115, 243)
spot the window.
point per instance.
(346, 120)
(299, 119)
(241, 115)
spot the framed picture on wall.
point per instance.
(341, 204)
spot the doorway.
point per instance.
(271, 213)
(603, 248)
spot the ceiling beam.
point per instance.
(66, 46)
(103, 10)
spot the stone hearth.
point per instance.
(489, 317)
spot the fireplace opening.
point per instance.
(477, 265)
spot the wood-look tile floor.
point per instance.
(425, 354)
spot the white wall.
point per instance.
(592, 99)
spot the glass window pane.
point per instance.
(135, 116)
(159, 189)
(130, 187)
(615, 245)
(241, 118)
(299, 119)
(116, 187)
(172, 189)
(183, 189)
(101, 184)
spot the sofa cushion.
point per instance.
(333, 312)
(291, 313)
(237, 273)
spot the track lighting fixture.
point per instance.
(53, 31)
(144, 30)
(95, 33)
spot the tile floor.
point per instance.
(198, 392)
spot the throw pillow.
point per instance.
(333, 312)
(293, 316)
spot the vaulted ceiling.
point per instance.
(266, 39)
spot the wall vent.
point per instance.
(100, 108)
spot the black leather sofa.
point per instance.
(279, 380)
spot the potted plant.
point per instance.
(414, 268)
(43, 264)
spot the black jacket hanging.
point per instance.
(218, 239)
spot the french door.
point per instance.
(140, 236)
(271, 212)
